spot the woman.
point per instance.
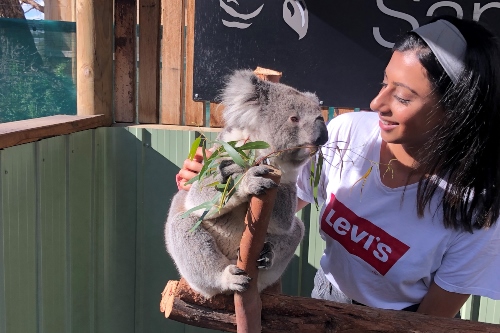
(411, 191)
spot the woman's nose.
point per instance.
(380, 102)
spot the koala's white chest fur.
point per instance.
(226, 230)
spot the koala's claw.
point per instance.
(227, 168)
(266, 256)
(254, 183)
(237, 271)
(236, 279)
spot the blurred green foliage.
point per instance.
(30, 88)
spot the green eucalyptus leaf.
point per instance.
(198, 222)
(206, 205)
(235, 156)
(194, 147)
(254, 145)
(192, 180)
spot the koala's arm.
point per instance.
(252, 183)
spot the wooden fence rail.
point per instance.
(153, 65)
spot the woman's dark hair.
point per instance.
(465, 148)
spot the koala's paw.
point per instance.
(227, 168)
(235, 279)
(266, 256)
(254, 184)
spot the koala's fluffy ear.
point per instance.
(242, 98)
(312, 96)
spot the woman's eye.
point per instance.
(294, 119)
(383, 84)
(402, 100)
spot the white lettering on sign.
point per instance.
(478, 10)
(295, 14)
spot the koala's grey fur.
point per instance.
(255, 110)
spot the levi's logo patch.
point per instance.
(361, 237)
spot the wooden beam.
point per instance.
(94, 35)
(195, 111)
(339, 111)
(170, 127)
(172, 55)
(149, 61)
(286, 314)
(216, 119)
(24, 131)
(125, 60)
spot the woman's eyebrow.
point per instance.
(399, 84)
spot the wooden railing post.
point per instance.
(172, 57)
(94, 35)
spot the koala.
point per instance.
(255, 110)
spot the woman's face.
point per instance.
(407, 107)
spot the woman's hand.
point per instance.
(190, 169)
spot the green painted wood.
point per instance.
(156, 186)
(18, 237)
(116, 215)
(81, 232)
(489, 311)
(52, 252)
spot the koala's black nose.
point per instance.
(320, 133)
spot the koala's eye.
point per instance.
(294, 119)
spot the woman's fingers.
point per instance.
(192, 165)
(191, 168)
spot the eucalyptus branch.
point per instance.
(245, 156)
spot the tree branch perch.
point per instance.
(283, 313)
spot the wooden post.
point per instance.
(195, 111)
(248, 305)
(125, 60)
(149, 61)
(216, 111)
(94, 35)
(172, 57)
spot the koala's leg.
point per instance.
(284, 234)
(198, 258)
(282, 247)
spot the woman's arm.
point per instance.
(301, 204)
(441, 303)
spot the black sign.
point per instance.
(335, 48)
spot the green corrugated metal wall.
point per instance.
(81, 234)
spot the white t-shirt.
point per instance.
(378, 252)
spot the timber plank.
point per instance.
(172, 61)
(195, 111)
(23, 131)
(125, 60)
(216, 111)
(149, 57)
(94, 33)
